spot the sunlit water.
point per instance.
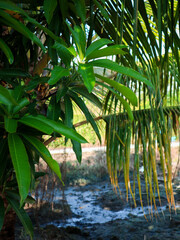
(84, 205)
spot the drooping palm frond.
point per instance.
(151, 129)
(151, 30)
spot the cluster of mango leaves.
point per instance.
(37, 101)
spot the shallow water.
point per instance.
(87, 210)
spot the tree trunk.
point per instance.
(8, 229)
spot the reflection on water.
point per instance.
(84, 205)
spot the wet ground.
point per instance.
(89, 208)
(96, 212)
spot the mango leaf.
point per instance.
(128, 93)
(21, 28)
(49, 7)
(61, 92)
(7, 51)
(96, 45)
(30, 200)
(21, 164)
(80, 9)
(13, 72)
(82, 90)
(106, 63)
(108, 51)
(2, 212)
(60, 128)
(88, 76)
(3, 160)
(80, 40)
(23, 216)
(11, 6)
(15, 195)
(64, 53)
(21, 104)
(68, 112)
(86, 112)
(10, 124)
(44, 153)
(78, 150)
(57, 73)
(35, 81)
(53, 111)
(17, 93)
(69, 122)
(37, 123)
(5, 97)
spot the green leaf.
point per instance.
(53, 111)
(78, 150)
(7, 5)
(66, 54)
(82, 90)
(4, 162)
(17, 93)
(128, 93)
(7, 51)
(21, 104)
(103, 11)
(23, 216)
(106, 63)
(80, 40)
(126, 106)
(96, 45)
(60, 128)
(10, 124)
(108, 51)
(69, 123)
(68, 112)
(5, 97)
(88, 76)
(20, 27)
(21, 164)
(57, 73)
(124, 102)
(37, 123)
(44, 153)
(80, 9)
(13, 194)
(35, 81)
(30, 200)
(2, 212)
(61, 92)
(13, 72)
(11, 6)
(86, 112)
(49, 7)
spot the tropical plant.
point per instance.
(151, 30)
(46, 67)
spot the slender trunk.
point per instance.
(8, 230)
